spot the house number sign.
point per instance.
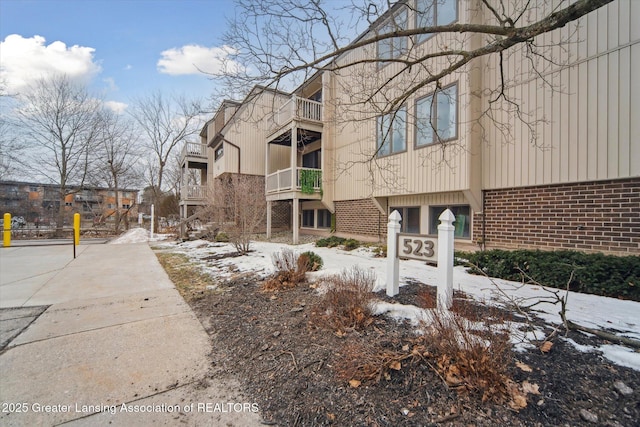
(417, 246)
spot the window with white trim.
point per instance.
(392, 132)
(437, 116)
(430, 13)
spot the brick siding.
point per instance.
(360, 217)
(602, 216)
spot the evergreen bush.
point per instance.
(599, 274)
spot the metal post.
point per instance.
(6, 232)
(445, 259)
(152, 221)
(393, 263)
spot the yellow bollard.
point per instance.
(76, 229)
(6, 239)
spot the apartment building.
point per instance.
(232, 144)
(39, 203)
(536, 148)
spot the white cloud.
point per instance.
(116, 107)
(194, 59)
(25, 60)
(111, 84)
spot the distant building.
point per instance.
(39, 203)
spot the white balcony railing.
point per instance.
(308, 180)
(194, 149)
(298, 109)
(194, 192)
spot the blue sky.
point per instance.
(114, 45)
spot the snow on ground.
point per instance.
(622, 317)
(137, 235)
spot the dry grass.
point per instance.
(291, 270)
(346, 302)
(470, 356)
(189, 280)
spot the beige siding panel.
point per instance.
(624, 19)
(624, 102)
(553, 133)
(634, 18)
(613, 18)
(613, 116)
(434, 199)
(634, 157)
(592, 120)
(603, 116)
(582, 120)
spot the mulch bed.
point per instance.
(288, 365)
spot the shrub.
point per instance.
(314, 260)
(330, 242)
(351, 244)
(380, 251)
(346, 303)
(290, 271)
(470, 357)
(222, 237)
(606, 275)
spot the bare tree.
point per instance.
(280, 43)
(11, 147)
(60, 121)
(164, 122)
(238, 207)
(118, 157)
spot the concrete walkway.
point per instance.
(104, 339)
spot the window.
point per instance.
(462, 222)
(324, 218)
(219, 151)
(410, 222)
(434, 12)
(392, 132)
(308, 218)
(395, 46)
(437, 117)
(312, 160)
(126, 206)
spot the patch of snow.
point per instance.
(588, 310)
(621, 355)
(137, 235)
(396, 311)
(580, 347)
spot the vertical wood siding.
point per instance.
(586, 123)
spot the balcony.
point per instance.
(194, 193)
(308, 184)
(194, 151)
(298, 109)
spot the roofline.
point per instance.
(81, 187)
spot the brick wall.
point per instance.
(590, 216)
(360, 217)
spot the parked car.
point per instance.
(16, 222)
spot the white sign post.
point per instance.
(445, 259)
(423, 248)
(393, 262)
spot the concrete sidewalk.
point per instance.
(105, 339)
